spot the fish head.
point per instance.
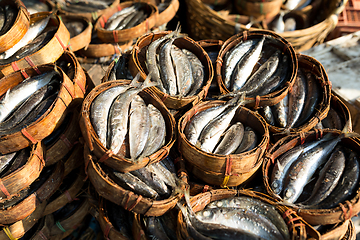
(289, 194)
(205, 215)
(275, 186)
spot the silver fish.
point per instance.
(241, 219)
(21, 92)
(233, 57)
(139, 126)
(328, 178)
(197, 69)
(99, 111)
(157, 131)
(117, 17)
(200, 120)
(183, 70)
(5, 160)
(245, 66)
(34, 30)
(283, 163)
(163, 173)
(250, 141)
(280, 112)
(167, 71)
(257, 206)
(212, 132)
(305, 166)
(231, 140)
(155, 229)
(267, 114)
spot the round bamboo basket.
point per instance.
(49, 121)
(258, 9)
(281, 44)
(105, 155)
(18, 229)
(342, 110)
(90, 16)
(63, 139)
(43, 231)
(297, 226)
(21, 210)
(215, 2)
(83, 39)
(66, 193)
(138, 228)
(25, 175)
(310, 65)
(75, 73)
(109, 190)
(49, 53)
(137, 64)
(205, 23)
(114, 36)
(343, 211)
(70, 223)
(108, 229)
(18, 29)
(337, 231)
(104, 49)
(168, 14)
(223, 170)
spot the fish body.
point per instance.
(200, 120)
(5, 160)
(151, 178)
(268, 115)
(257, 206)
(21, 92)
(10, 16)
(197, 70)
(99, 111)
(231, 139)
(328, 178)
(245, 66)
(167, 71)
(163, 173)
(183, 70)
(155, 229)
(139, 126)
(332, 120)
(250, 141)
(304, 168)
(280, 112)
(117, 17)
(157, 131)
(233, 57)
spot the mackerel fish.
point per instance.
(183, 70)
(197, 69)
(231, 139)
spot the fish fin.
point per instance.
(6, 97)
(135, 81)
(198, 144)
(280, 167)
(148, 83)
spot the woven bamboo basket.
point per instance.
(49, 121)
(223, 170)
(43, 229)
(104, 49)
(49, 53)
(75, 159)
(90, 16)
(336, 231)
(137, 64)
(83, 39)
(25, 175)
(215, 2)
(18, 29)
(105, 155)
(297, 226)
(26, 206)
(67, 192)
(75, 73)
(259, 9)
(343, 211)
(205, 23)
(351, 233)
(18, 229)
(109, 190)
(114, 36)
(310, 65)
(342, 110)
(70, 223)
(169, 13)
(108, 229)
(281, 44)
(138, 228)
(63, 139)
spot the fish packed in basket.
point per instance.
(259, 64)
(34, 6)
(118, 69)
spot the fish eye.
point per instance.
(289, 193)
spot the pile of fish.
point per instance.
(34, 6)
(75, 27)
(162, 227)
(120, 219)
(12, 161)
(28, 101)
(178, 72)
(332, 121)
(113, 110)
(317, 174)
(80, 6)
(155, 181)
(120, 69)
(236, 218)
(214, 131)
(33, 40)
(128, 17)
(241, 75)
(298, 106)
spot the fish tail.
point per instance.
(347, 127)
(135, 81)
